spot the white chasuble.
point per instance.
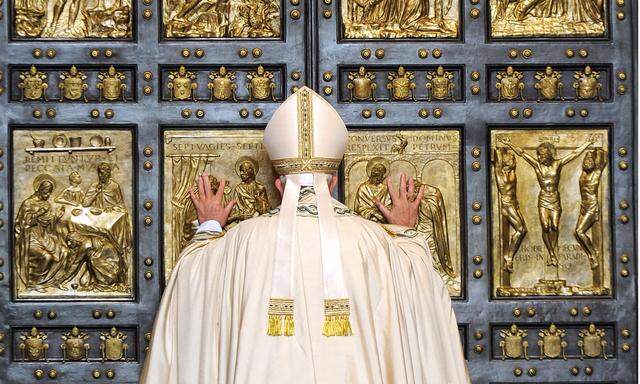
(212, 323)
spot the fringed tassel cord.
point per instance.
(336, 318)
(280, 317)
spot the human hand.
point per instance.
(404, 207)
(208, 205)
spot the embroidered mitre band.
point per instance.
(306, 136)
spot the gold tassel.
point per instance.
(280, 317)
(336, 318)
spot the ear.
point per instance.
(333, 183)
(279, 186)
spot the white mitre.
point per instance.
(306, 136)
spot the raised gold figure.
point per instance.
(513, 343)
(33, 85)
(592, 343)
(72, 85)
(552, 343)
(431, 159)
(593, 164)
(397, 19)
(74, 240)
(73, 19)
(75, 345)
(587, 84)
(510, 85)
(549, 86)
(373, 189)
(440, 84)
(547, 18)
(515, 229)
(113, 346)
(400, 85)
(250, 195)
(182, 85)
(548, 168)
(260, 85)
(361, 85)
(558, 243)
(111, 85)
(222, 18)
(33, 345)
(223, 84)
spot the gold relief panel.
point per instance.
(237, 156)
(548, 18)
(550, 194)
(222, 19)
(432, 158)
(72, 213)
(72, 19)
(400, 19)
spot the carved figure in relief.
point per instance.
(38, 249)
(250, 195)
(548, 169)
(32, 85)
(510, 85)
(72, 85)
(549, 86)
(222, 85)
(593, 164)
(373, 189)
(587, 84)
(440, 84)
(111, 86)
(105, 193)
(72, 195)
(513, 343)
(182, 85)
(504, 162)
(592, 342)
(113, 346)
(261, 85)
(361, 85)
(401, 86)
(33, 345)
(432, 222)
(75, 346)
(552, 343)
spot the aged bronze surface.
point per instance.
(361, 85)
(73, 231)
(548, 84)
(33, 85)
(182, 85)
(261, 85)
(73, 19)
(559, 242)
(400, 85)
(75, 345)
(72, 85)
(113, 346)
(587, 85)
(592, 343)
(397, 19)
(546, 18)
(510, 84)
(111, 85)
(222, 19)
(222, 85)
(432, 158)
(33, 345)
(237, 156)
(440, 84)
(513, 343)
(552, 343)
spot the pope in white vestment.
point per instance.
(309, 292)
